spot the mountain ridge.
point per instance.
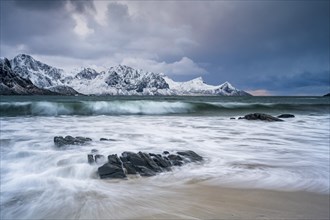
(116, 80)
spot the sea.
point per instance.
(42, 181)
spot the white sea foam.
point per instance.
(40, 181)
(137, 107)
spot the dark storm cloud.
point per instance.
(274, 45)
(79, 5)
(40, 4)
(21, 26)
(44, 27)
(82, 6)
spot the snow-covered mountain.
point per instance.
(118, 80)
(13, 84)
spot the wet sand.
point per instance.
(211, 202)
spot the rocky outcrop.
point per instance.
(69, 140)
(260, 116)
(144, 164)
(327, 95)
(286, 116)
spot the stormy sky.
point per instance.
(265, 47)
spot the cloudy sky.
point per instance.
(265, 47)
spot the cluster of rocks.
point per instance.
(69, 140)
(265, 117)
(144, 164)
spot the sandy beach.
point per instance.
(199, 201)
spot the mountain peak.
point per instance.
(198, 80)
(23, 59)
(227, 85)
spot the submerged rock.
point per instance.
(69, 140)
(144, 164)
(107, 139)
(260, 116)
(286, 116)
(90, 158)
(191, 155)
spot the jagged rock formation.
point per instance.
(144, 164)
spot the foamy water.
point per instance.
(41, 181)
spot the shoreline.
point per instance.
(201, 201)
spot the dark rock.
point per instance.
(162, 162)
(94, 151)
(232, 118)
(166, 152)
(191, 155)
(286, 116)
(134, 158)
(261, 116)
(130, 169)
(151, 164)
(107, 139)
(113, 159)
(69, 140)
(59, 141)
(327, 95)
(175, 160)
(144, 171)
(83, 139)
(111, 171)
(90, 158)
(144, 164)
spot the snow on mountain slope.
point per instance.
(118, 80)
(198, 87)
(42, 75)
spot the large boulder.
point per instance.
(260, 116)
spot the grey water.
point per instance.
(40, 181)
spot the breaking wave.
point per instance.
(146, 107)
